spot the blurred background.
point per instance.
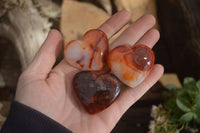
(24, 25)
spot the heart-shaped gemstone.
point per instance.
(96, 92)
(90, 53)
(131, 65)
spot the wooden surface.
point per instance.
(25, 27)
(179, 46)
(74, 25)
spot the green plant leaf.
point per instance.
(187, 117)
(197, 99)
(182, 105)
(189, 83)
(188, 80)
(196, 118)
(190, 86)
(181, 93)
(197, 110)
(198, 85)
(170, 87)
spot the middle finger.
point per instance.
(135, 31)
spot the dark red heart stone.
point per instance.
(96, 92)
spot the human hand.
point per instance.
(50, 90)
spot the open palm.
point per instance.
(50, 90)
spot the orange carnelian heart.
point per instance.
(96, 92)
(131, 65)
(90, 53)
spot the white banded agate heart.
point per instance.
(90, 53)
(131, 65)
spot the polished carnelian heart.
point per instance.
(90, 53)
(96, 92)
(131, 65)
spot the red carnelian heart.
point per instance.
(131, 65)
(96, 92)
(90, 53)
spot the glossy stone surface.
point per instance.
(96, 92)
(90, 53)
(131, 65)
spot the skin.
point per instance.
(49, 90)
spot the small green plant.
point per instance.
(180, 110)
